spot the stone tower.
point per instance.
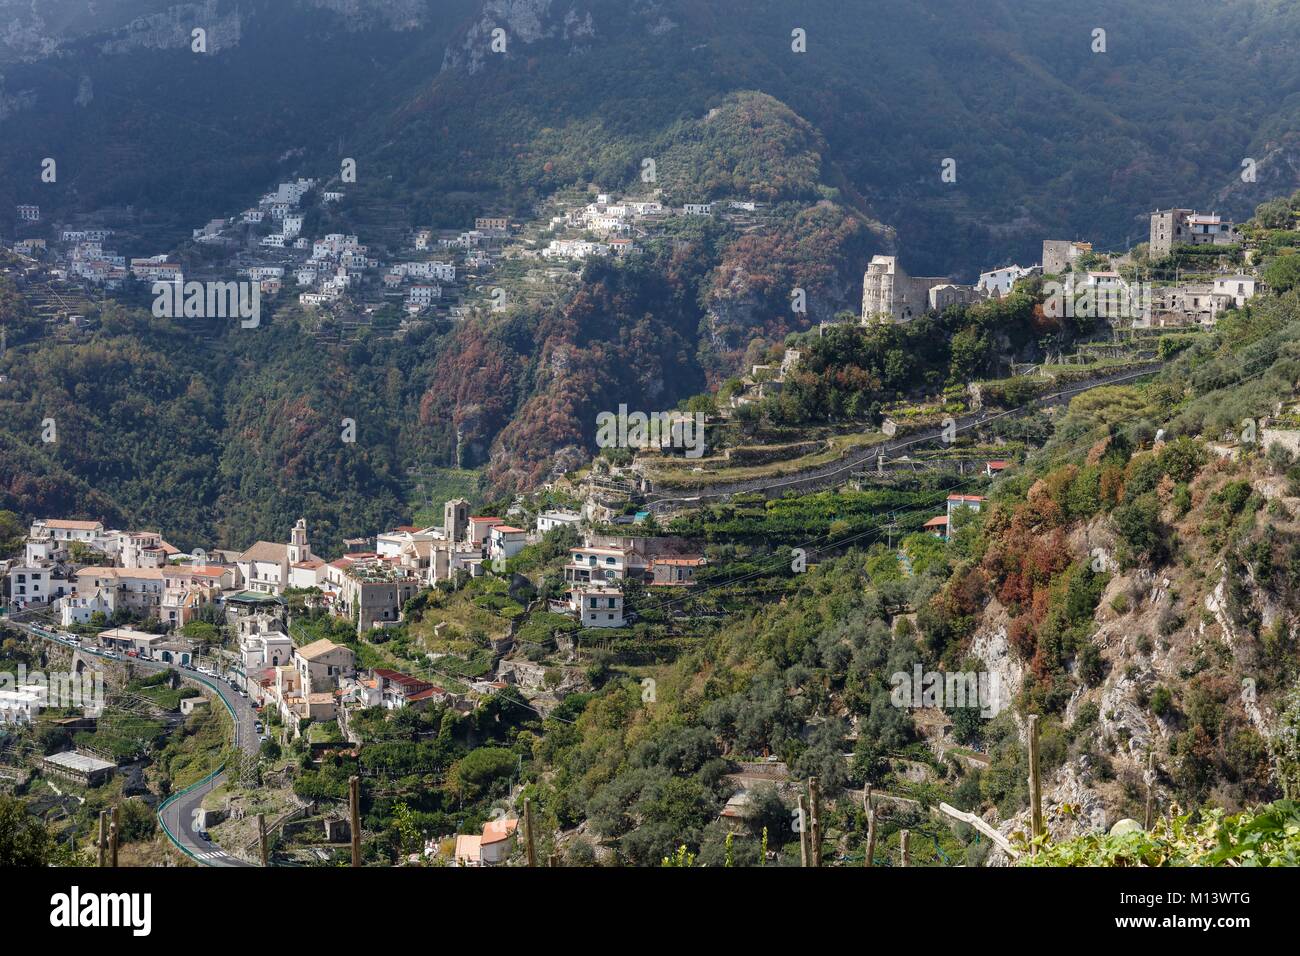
(455, 519)
(299, 549)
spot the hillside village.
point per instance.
(340, 275)
(515, 612)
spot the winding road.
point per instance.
(176, 814)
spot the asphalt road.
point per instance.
(177, 815)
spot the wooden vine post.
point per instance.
(354, 806)
(871, 827)
(1035, 788)
(815, 809)
(803, 831)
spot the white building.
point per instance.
(1237, 289)
(999, 282)
(65, 531)
(266, 565)
(21, 705)
(266, 649)
(424, 295)
(505, 541)
(597, 606)
(550, 520)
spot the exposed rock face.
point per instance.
(527, 22)
(524, 22)
(363, 14)
(172, 29)
(1006, 673)
(11, 103)
(1122, 716)
(1071, 808)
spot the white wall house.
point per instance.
(550, 520)
(1000, 281)
(597, 606)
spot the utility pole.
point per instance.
(904, 846)
(354, 801)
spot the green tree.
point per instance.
(24, 840)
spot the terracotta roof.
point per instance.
(679, 562)
(507, 529)
(68, 525)
(484, 518)
(494, 831)
(966, 498)
(468, 847)
(186, 569)
(145, 573)
(317, 649)
(397, 677)
(939, 522)
(265, 551)
(427, 693)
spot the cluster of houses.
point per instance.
(597, 568)
(324, 270)
(617, 223)
(890, 294)
(280, 207)
(88, 573)
(81, 568)
(82, 255)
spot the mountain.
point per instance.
(1050, 138)
(844, 144)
